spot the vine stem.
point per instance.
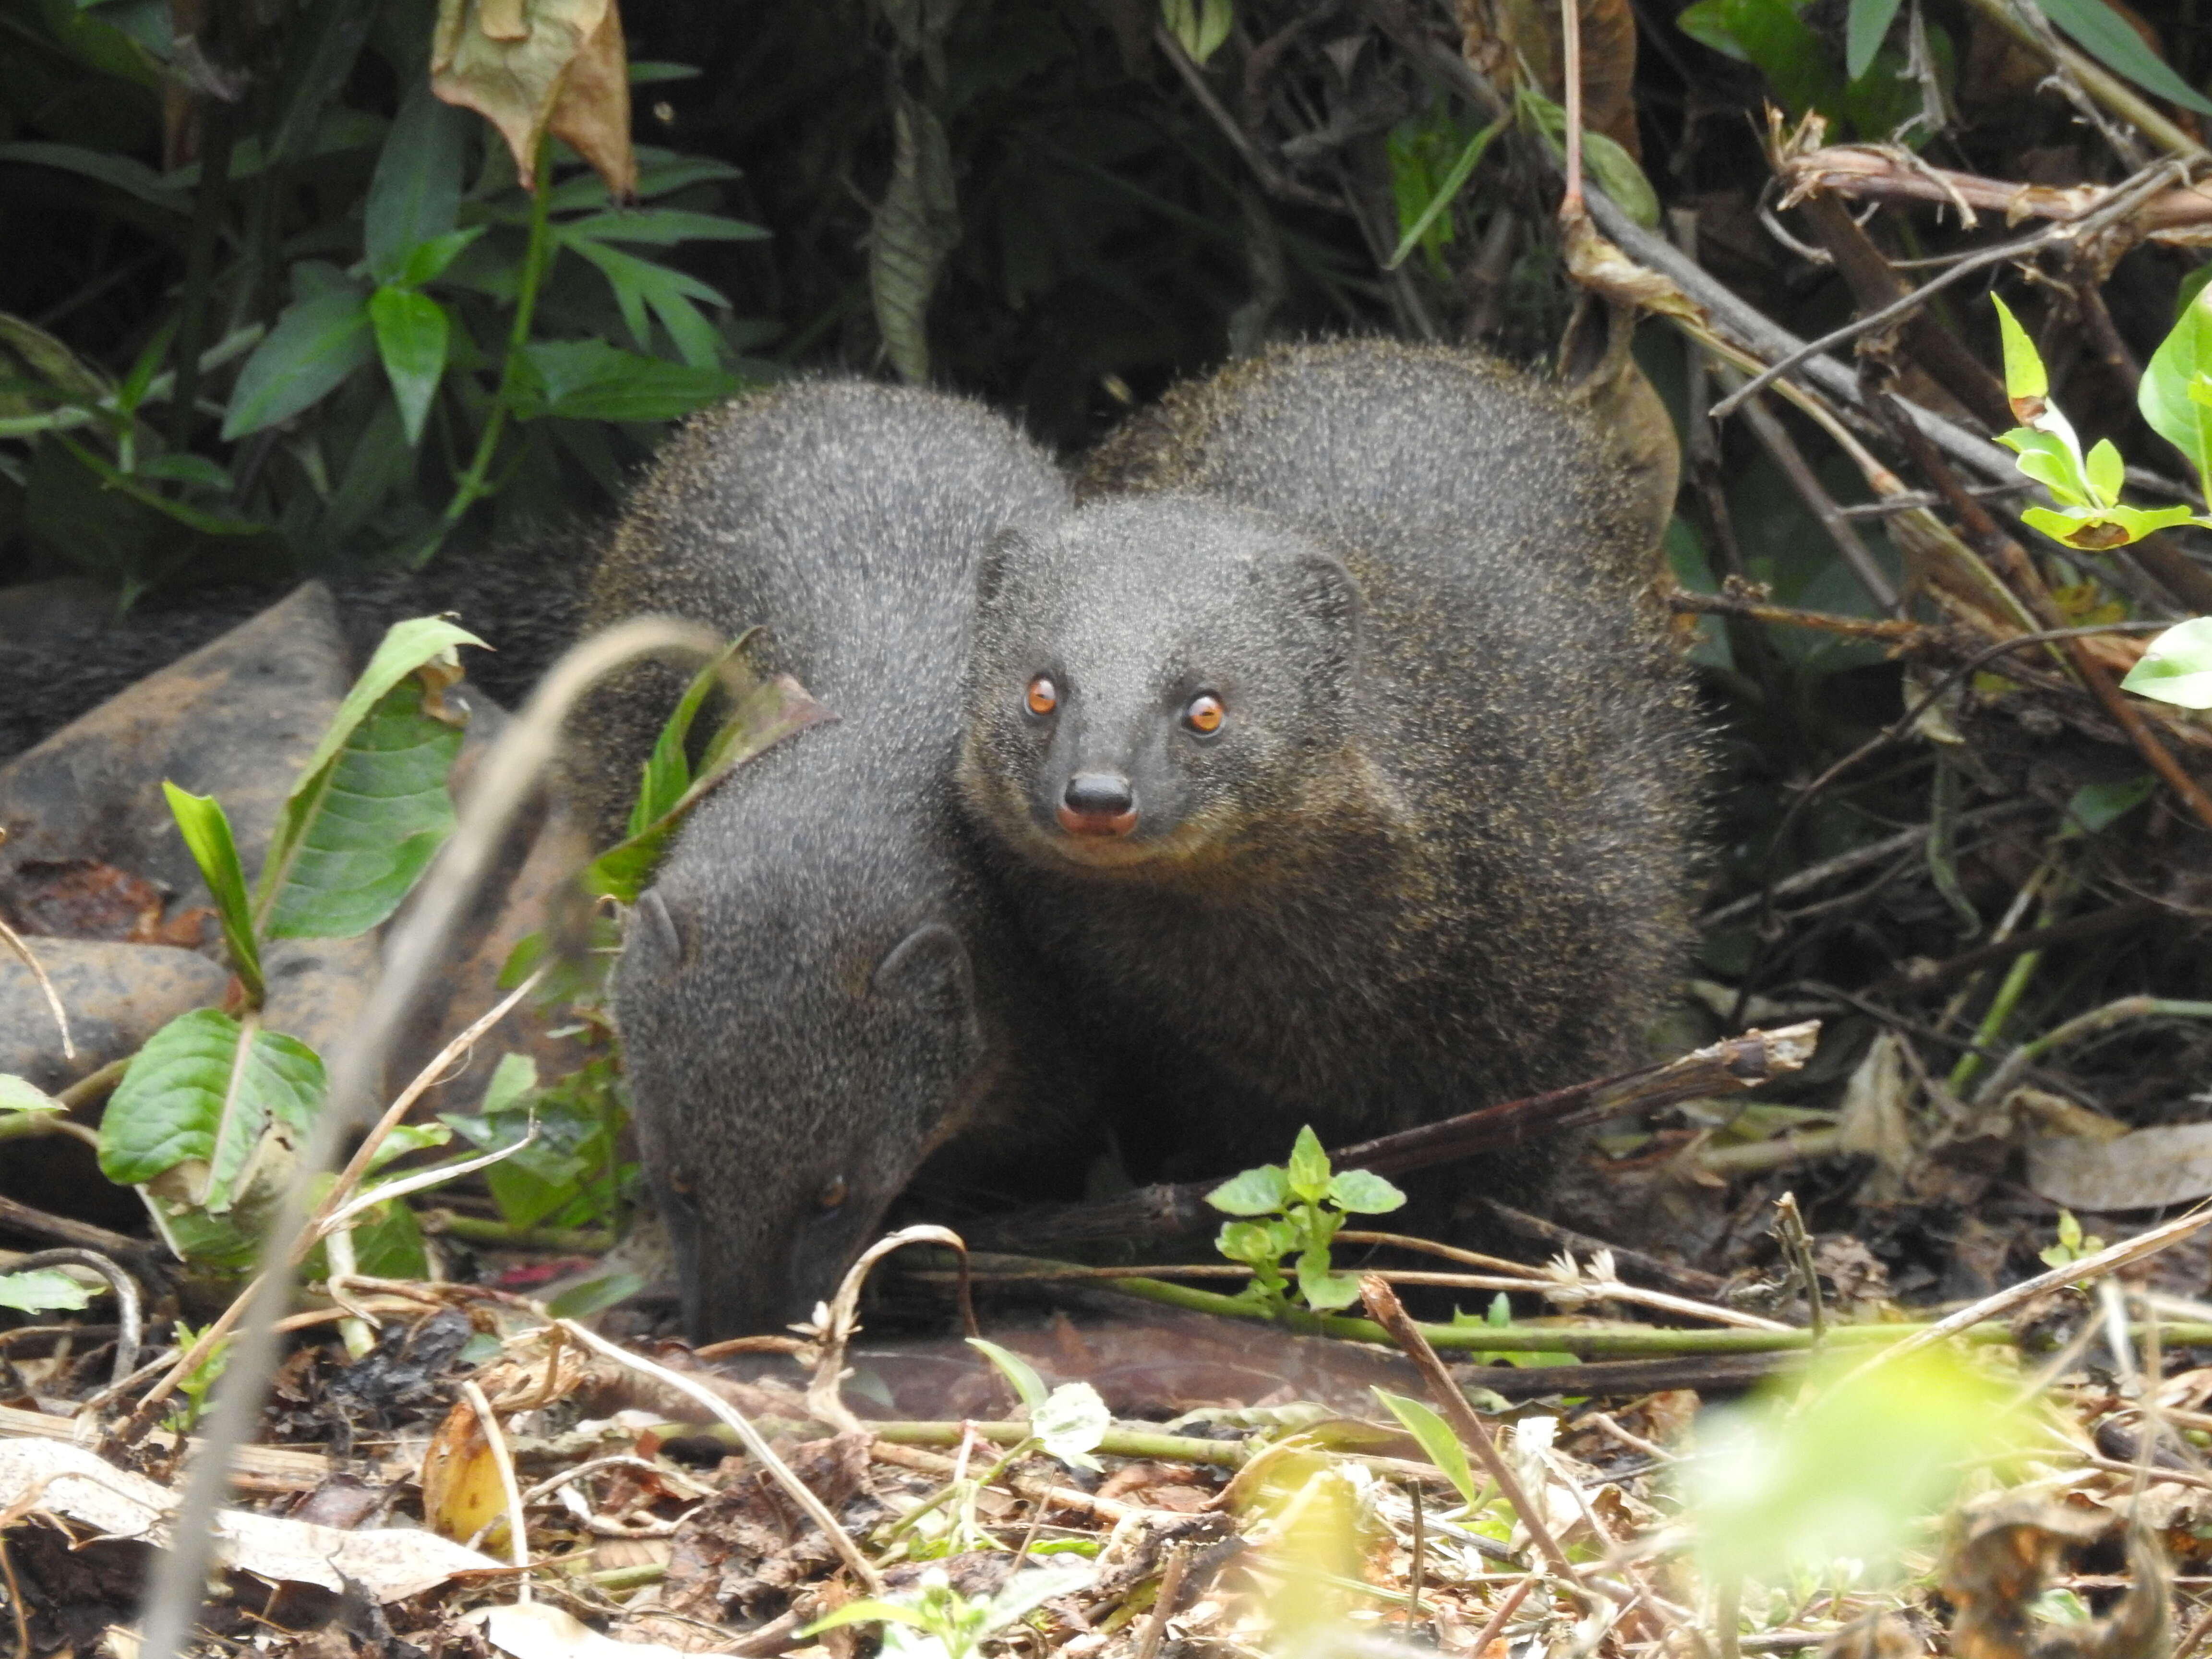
(472, 487)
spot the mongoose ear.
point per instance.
(651, 920)
(1326, 596)
(928, 968)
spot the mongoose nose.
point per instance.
(1099, 804)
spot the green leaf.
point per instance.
(640, 284)
(1770, 35)
(18, 1094)
(664, 228)
(1864, 30)
(2166, 394)
(1437, 1440)
(370, 807)
(411, 333)
(1030, 1589)
(427, 260)
(2095, 529)
(1363, 1193)
(643, 73)
(1447, 191)
(1071, 1421)
(1324, 1292)
(2095, 805)
(316, 343)
(581, 1301)
(402, 1139)
(866, 1611)
(1199, 26)
(1307, 1175)
(1255, 1192)
(2048, 459)
(206, 830)
(1016, 1369)
(416, 191)
(2106, 471)
(204, 1090)
(770, 711)
(591, 380)
(42, 1290)
(667, 771)
(2176, 666)
(2026, 381)
(121, 172)
(2106, 35)
(1256, 1243)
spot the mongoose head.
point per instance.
(1158, 679)
(797, 1042)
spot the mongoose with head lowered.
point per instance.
(818, 989)
(1334, 750)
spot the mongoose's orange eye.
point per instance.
(832, 1195)
(1204, 713)
(1042, 695)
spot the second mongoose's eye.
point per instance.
(1042, 695)
(1202, 714)
(832, 1195)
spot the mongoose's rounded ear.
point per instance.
(928, 968)
(1327, 598)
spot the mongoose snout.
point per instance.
(1099, 804)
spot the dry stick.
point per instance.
(2124, 201)
(2108, 90)
(134, 1428)
(1894, 631)
(13, 941)
(517, 1544)
(1571, 50)
(755, 1443)
(1383, 1305)
(179, 1577)
(2108, 1259)
(1495, 1625)
(1874, 173)
(1782, 449)
(1166, 1211)
(842, 1319)
(1156, 1627)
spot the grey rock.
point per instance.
(116, 996)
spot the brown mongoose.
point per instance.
(1333, 749)
(819, 988)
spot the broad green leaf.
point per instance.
(1447, 191)
(316, 343)
(42, 1290)
(866, 1610)
(2166, 393)
(774, 709)
(1199, 26)
(2107, 37)
(18, 1094)
(1363, 1193)
(1437, 1440)
(2095, 805)
(1323, 1290)
(664, 228)
(1865, 29)
(581, 1301)
(206, 830)
(2049, 459)
(2190, 285)
(387, 1243)
(405, 1138)
(2176, 666)
(2096, 529)
(186, 469)
(591, 380)
(1843, 1465)
(370, 807)
(427, 260)
(1071, 1421)
(1307, 1174)
(2026, 382)
(512, 1081)
(411, 335)
(204, 1090)
(2106, 471)
(1615, 173)
(1770, 35)
(1255, 1192)
(1017, 1371)
(660, 172)
(121, 172)
(415, 190)
(643, 73)
(1256, 1243)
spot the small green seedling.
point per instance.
(198, 1383)
(1296, 1209)
(2073, 1244)
(935, 1621)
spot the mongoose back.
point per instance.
(1334, 747)
(817, 989)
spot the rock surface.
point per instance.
(117, 996)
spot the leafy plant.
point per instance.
(2072, 1243)
(935, 1621)
(1069, 1422)
(42, 1290)
(198, 1383)
(1297, 1209)
(569, 1174)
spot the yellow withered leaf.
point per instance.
(534, 66)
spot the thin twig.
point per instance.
(13, 941)
(502, 1460)
(1155, 1625)
(842, 1320)
(1495, 1625)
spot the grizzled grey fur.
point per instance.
(819, 988)
(1437, 853)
